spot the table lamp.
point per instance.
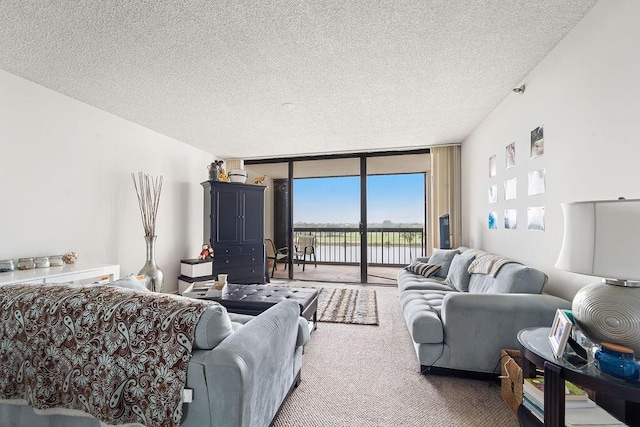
(602, 238)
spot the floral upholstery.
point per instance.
(118, 354)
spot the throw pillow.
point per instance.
(443, 258)
(129, 282)
(213, 327)
(422, 268)
(458, 276)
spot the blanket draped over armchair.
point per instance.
(118, 354)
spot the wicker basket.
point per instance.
(511, 372)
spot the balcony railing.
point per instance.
(385, 246)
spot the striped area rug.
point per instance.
(339, 305)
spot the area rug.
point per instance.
(340, 305)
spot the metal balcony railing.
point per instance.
(385, 246)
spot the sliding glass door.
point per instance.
(326, 209)
(396, 203)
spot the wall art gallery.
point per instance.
(536, 184)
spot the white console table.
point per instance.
(71, 273)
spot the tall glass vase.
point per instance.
(153, 276)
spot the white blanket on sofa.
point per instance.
(486, 263)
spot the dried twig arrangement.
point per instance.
(148, 189)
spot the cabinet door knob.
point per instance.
(227, 261)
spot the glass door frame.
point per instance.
(363, 227)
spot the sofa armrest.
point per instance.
(304, 332)
(479, 325)
(246, 377)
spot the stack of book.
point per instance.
(580, 411)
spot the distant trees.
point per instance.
(387, 224)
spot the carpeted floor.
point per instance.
(355, 375)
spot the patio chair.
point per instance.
(304, 248)
(280, 255)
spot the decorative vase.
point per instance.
(215, 169)
(618, 361)
(153, 276)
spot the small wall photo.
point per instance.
(493, 194)
(537, 142)
(537, 183)
(511, 219)
(492, 166)
(510, 155)
(535, 218)
(493, 220)
(510, 189)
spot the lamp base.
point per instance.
(608, 313)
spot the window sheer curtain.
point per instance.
(445, 194)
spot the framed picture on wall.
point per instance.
(492, 166)
(537, 142)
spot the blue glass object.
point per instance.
(617, 361)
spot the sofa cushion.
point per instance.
(511, 278)
(422, 268)
(443, 258)
(458, 276)
(408, 280)
(432, 297)
(214, 326)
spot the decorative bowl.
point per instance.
(238, 175)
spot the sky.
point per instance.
(398, 198)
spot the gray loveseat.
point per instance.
(240, 371)
(460, 320)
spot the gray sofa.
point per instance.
(460, 320)
(241, 370)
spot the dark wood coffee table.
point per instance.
(254, 299)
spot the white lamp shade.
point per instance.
(602, 238)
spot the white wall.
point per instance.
(66, 183)
(586, 94)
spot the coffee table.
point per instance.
(254, 299)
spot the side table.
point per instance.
(621, 398)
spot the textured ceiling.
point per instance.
(256, 79)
